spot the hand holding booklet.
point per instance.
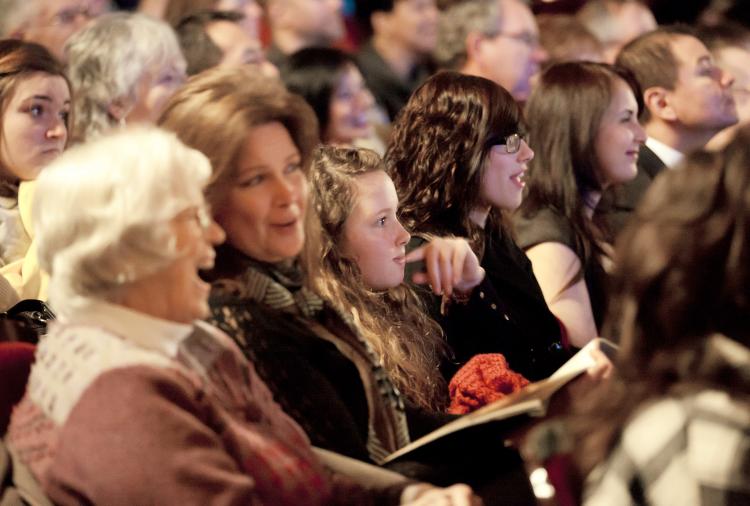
(530, 401)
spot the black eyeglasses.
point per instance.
(511, 143)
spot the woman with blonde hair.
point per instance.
(132, 399)
(320, 369)
(355, 255)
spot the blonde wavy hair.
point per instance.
(409, 343)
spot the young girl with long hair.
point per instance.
(356, 256)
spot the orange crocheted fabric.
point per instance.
(483, 379)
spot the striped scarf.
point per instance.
(281, 288)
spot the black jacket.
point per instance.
(506, 314)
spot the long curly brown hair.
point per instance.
(683, 268)
(438, 149)
(395, 322)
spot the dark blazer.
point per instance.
(619, 202)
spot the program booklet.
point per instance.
(531, 401)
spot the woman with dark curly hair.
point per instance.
(585, 131)
(457, 157)
(672, 427)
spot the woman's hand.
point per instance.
(422, 494)
(450, 265)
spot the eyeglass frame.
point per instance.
(511, 143)
(526, 38)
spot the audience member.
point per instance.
(250, 12)
(124, 67)
(355, 256)
(457, 156)
(132, 400)
(729, 44)
(494, 39)
(330, 82)
(688, 100)
(564, 38)
(48, 23)
(215, 38)
(34, 123)
(616, 22)
(396, 59)
(297, 24)
(312, 356)
(585, 133)
(672, 427)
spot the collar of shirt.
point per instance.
(669, 155)
(143, 330)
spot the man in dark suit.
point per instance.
(687, 100)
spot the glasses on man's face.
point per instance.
(511, 143)
(526, 38)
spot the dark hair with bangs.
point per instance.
(438, 149)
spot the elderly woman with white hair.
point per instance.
(133, 400)
(123, 67)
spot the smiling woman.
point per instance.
(34, 121)
(330, 82)
(150, 405)
(320, 367)
(584, 126)
(457, 157)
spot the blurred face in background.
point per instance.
(702, 98)
(239, 48)
(512, 57)
(348, 115)
(411, 23)
(154, 89)
(250, 9)
(735, 61)
(57, 20)
(318, 22)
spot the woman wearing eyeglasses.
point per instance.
(585, 131)
(457, 158)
